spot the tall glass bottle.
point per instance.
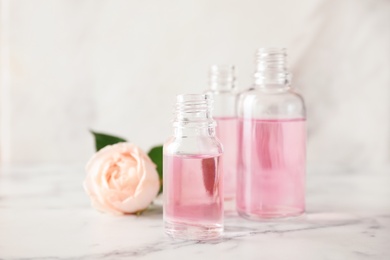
(193, 185)
(272, 142)
(222, 88)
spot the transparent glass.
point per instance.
(223, 91)
(272, 143)
(193, 185)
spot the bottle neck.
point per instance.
(221, 78)
(193, 115)
(271, 69)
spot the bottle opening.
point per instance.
(271, 66)
(188, 103)
(221, 77)
(194, 110)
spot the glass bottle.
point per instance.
(272, 142)
(193, 187)
(221, 87)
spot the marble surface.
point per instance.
(44, 214)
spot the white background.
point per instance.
(116, 66)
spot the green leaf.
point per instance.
(156, 155)
(102, 140)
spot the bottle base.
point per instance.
(275, 214)
(185, 231)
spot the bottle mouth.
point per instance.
(194, 110)
(193, 98)
(271, 66)
(221, 77)
(271, 58)
(271, 50)
(193, 103)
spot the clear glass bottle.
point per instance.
(193, 187)
(222, 88)
(272, 143)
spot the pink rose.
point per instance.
(121, 178)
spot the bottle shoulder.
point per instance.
(222, 93)
(272, 103)
(277, 92)
(205, 145)
(271, 96)
(224, 103)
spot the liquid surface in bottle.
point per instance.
(227, 133)
(271, 168)
(192, 191)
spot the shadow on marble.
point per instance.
(155, 211)
(237, 227)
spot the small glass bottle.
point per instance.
(193, 187)
(221, 87)
(272, 143)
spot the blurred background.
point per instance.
(67, 66)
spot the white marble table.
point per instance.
(44, 214)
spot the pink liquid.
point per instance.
(227, 133)
(271, 168)
(193, 203)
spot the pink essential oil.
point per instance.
(193, 180)
(227, 133)
(272, 166)
(193, 200)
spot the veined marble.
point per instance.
(44, 214)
